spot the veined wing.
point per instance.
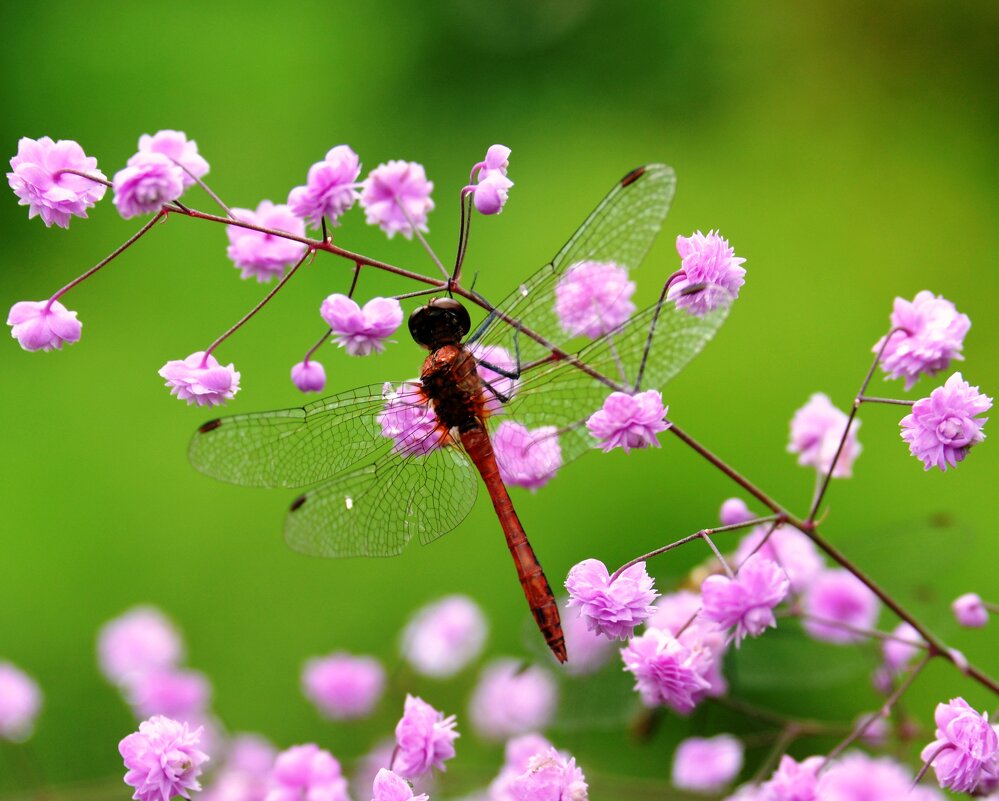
(375, 510)
(561, 395)
(621, 229)
(293, 447)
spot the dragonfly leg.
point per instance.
(501, 397)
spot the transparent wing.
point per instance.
(375, 510)
(292, 447)
(621, 229)
(562, 396)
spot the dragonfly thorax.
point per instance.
(443, 321)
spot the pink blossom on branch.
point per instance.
(424, 739)
(395, 194)
(309, 376)
(707, 764)
(163, 759)
(708, 261)
(178, 148)
(970, 610)
(361, 331)
(38, 179)
(330, 189)
(667, 673)
(629, 421)
(966, 747)
(816, 430)
(265, 256)
(43, 325)
(200, 380)
(593, 298)
(747, 601)
(343, 686)
(789, 548)
(942, 428)
(150, 181)
(20, 701)
(612, 608)
(492, 185)
(933, 336)
(527, 458)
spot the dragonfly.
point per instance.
(391, 462)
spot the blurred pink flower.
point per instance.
(816, 430)
(395, 194)
(612, 608)
(837, 596)
(140, 640)
(590, 650)
(943, 427)
(518, 753)
(527, 458)
(307, 773)
(43, 325)
(343, 686)
(733, 511)
(379, 758)
(748, 600)
(549, 777)
(510, 699)
(408, 420)
(674, 610)
(789, 548)
(709, 261)
(330, 189)
(424, 739)
(148, 182)
(794, 781)
(201, 380)
(177, 147)
(934, 336)
(388, 786)
(629, 421)
(593, 298)
(245, 774)
(361, 331)
(899, 654)
(260, 255)
(20, 701)
(859, 777)
(970, 610)
(499, 384)
(667, 673)
(182, 695)
(443, 637)
(308, 376)
(966, 749)
(707, 764)
(39, 182)
(162, 759)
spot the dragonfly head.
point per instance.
(443, 321)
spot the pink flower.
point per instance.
(443, 637)
(970, 610)
(839, 597)
(612, 608)
(966, 747)
(309, 376)
(816, 430)
(934, 334)
(43, 325)
(330, 188)
(178, 694)
(342, 686)
(709, 261)
(39, 182)
(148, 182)
(361, 331)
(140, 640)
(490, 194)
(629, 421)
(376, 760)
(549, 777)
(497, 160)
(162, 759)
(510, 700)
(674, 611)
(527, 458)
(396, 197)
(789, 548)
(794, 781)
(499, 385)
(307, 772)
(858, 777)
(734, 511)
(943, 427)
(388, 786)
(408, 420)
(666, 672)
(260, 255)
(178, 148)
(424, 739)
(20, 700)
(748, 600)
(201, 380)
(707, 764)
(593, 298)
(678, 614)
(897, 652)
(518, 753)
(590, 650)
(246, 772)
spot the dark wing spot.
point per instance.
(297, 503)
(211, 425)
(633, 176)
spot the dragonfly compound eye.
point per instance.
(443, 321)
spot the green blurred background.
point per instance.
(847, 150)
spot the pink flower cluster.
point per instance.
(201, 380)
(43, 325)
(593, 298)
(167, 164)
(612, 608)
(162, 759)
(330, 189)
(307, 772)
(965, 752)
(711, 274)
(510, 700)
(746, 601)
(667, 672)
(489, 192)
(39, 177)
(361, 332)
(396, 198)
(408, 420)
(424, 739)
(527, 458)
(943, 427)
(443, 637)
(342, 686)
(629, 421)
(261, 255)
(816, 431)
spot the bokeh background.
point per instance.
(847, 150)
